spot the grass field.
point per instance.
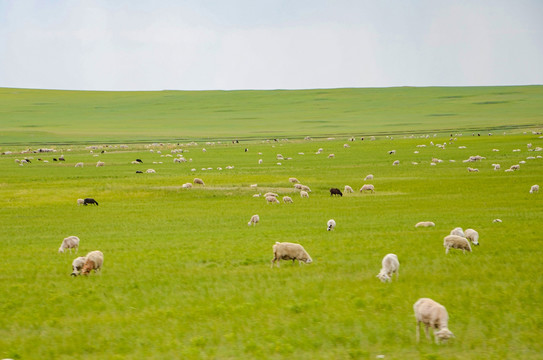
(184, 277)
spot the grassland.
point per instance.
(184, 277)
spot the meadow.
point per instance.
(184, 277)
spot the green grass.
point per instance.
(35, 117)
(185, 277)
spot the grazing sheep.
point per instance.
(472, 236)
(458, 232)
(331, 156)
(93, 261)
(534, 189)
(331, 225)
(397, 162)
(287, 200)
(150, 171)
(79, 164)
(390, 266)
(198, 181)
(260, 161)
(298, 186)
(77, 265)
(289, 251)
(71, 242)
(139, 160)
(515, 167)
(100, 163)
(186, 186)
(271, 194)
(305, 188)
(367, 187)
(335, 191)
(90, 201)
(368, 177)
(80, 202)
(425, 224)
(304, 194)
(254, 220)
(497, 220)
(272, 199)
(348, 189)
(472, 170)
(456, 242)
(432, 314)
(293, 180)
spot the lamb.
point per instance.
(456, 242)
(77, 265)
(93, 261)
(289, 251)
(88, 201)
(367, 187)
(534, 189)
(100, 163)
(472, 236)
(458, 231)
(272, 199)
(254, 219)
(331, 224)
(79, 164)
(80, 202)
(335, 191)
(71, 242)
(287, 200)
(348, 189)
(425, 224)
(432, 314)
(293, 180)
(390, 266)
(198, 181)
(304, 194)
(368, 177)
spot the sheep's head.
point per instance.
(61, 249)
(444, 334)
(383, 277)
(308, 260)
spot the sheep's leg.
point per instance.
(447, 250)
(418, 331)
(427, 332)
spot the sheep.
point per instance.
(497, 220)
(90, 201)
(93, 261)
(79, 164)
(458, 232)
(150, 171)
(335, 191)
(396, 162)
(305, 188)
(80, 202)
(298, 186)
(287, 200)
(260, 161)
(186, 186)
(293, 180)
(198, 181)
(272, 199)
(271, 194)
(432, 314)
(472, 236)
(100, 163)
(367, 187)
(515, 167)
(390, 266)
(348, 189)
(331, 156)
(425, 224)
(368, 177)
(472, 169)
(534, 189)
(71, 242)
(77, 265)
(304, 194)
(254, 220)
(456, 242)
(331, 225)
(289, 251)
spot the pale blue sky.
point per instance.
(243, 44)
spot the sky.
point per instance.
(265, 44)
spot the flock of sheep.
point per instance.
(83, 264)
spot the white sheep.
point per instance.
(100, 163)
(348, 189)
(93, 261)
(293, 180)
(304, 194)
(254, 220)
(71, 242)
(472, 236)
(272, 199)
(298, 186)
(260, 161)
(434, 315)
(287, 200)
(289, 251)
(534, 189)
(396, 162)
(331, 224)
(472, 169)
(456, 242)
(198, 181)
(425, 224)
(79, 164)
(515, 167)
(458, 232)
(77, 265)
(80, 202)
(150, 171)
(497, 220)
(331, 156)
(367, 187)
(186, 186)
(305, 188)
(390, 266)
(368, 177)
(271, 194)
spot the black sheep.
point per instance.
(335, 191)
(88, 201)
